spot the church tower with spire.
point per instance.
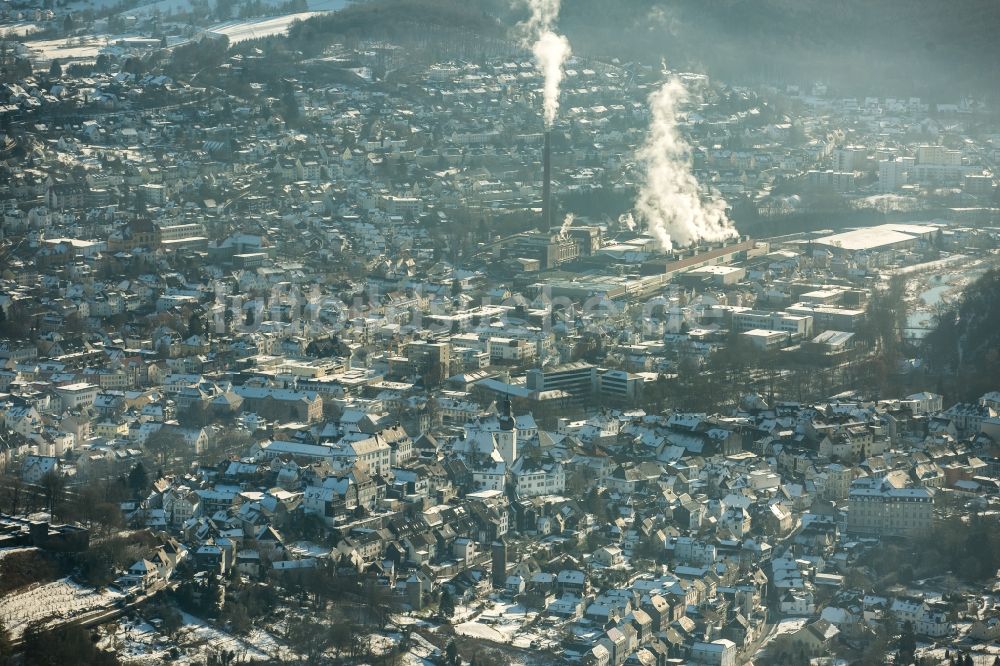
(506, 437)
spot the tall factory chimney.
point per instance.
(547, 182)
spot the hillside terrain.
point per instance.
(919, 46)
(964, 348)
(934, 48)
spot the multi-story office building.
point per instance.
(797, 325)
(579, 379)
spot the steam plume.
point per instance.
(567, 223)
(669, 201)
(551, 51)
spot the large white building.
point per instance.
(372, 452)
(798, 325)
(533, 477)
(939, 155)
(928, 618)
(878, 508)
(78, 396)
(719, 652)
(894, 173)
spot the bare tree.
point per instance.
(162, 443)
(53, 487)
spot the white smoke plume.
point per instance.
(669, 201)
(551, 52)
(567, 223)
(626, 220)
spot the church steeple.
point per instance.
(507, 437)
(506, 417)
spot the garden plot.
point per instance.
(59, 600)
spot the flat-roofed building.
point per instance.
(511, 350)
(797, 325)
(826, 296)
(827, 317)
(766, 340)
(79, 395)
(880, 238)
(827, 348)
(718, 275)
(579, 379)
(619, 386)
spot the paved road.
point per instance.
(766, 634)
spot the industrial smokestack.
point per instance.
(547, 183)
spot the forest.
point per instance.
(963, 350)
(930, 48)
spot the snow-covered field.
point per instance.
(61, 599)
(982, 655)
(478, 630)
(166, 7)
(76, 48)
(20, 29)
(237, 30)
(241, 31)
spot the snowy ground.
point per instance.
(241, 31)
(982, 655)
(508, 623)
(258, 645)
(237, 30)
(786, 626)
(136, 641)
(937, 287)
(20, 29)
(789, 625)
(166, 7)
(480, 630)
(87, 48)
(302, 549)
(419, 653)
(75, 48)
(4, 552)
(40, 602)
